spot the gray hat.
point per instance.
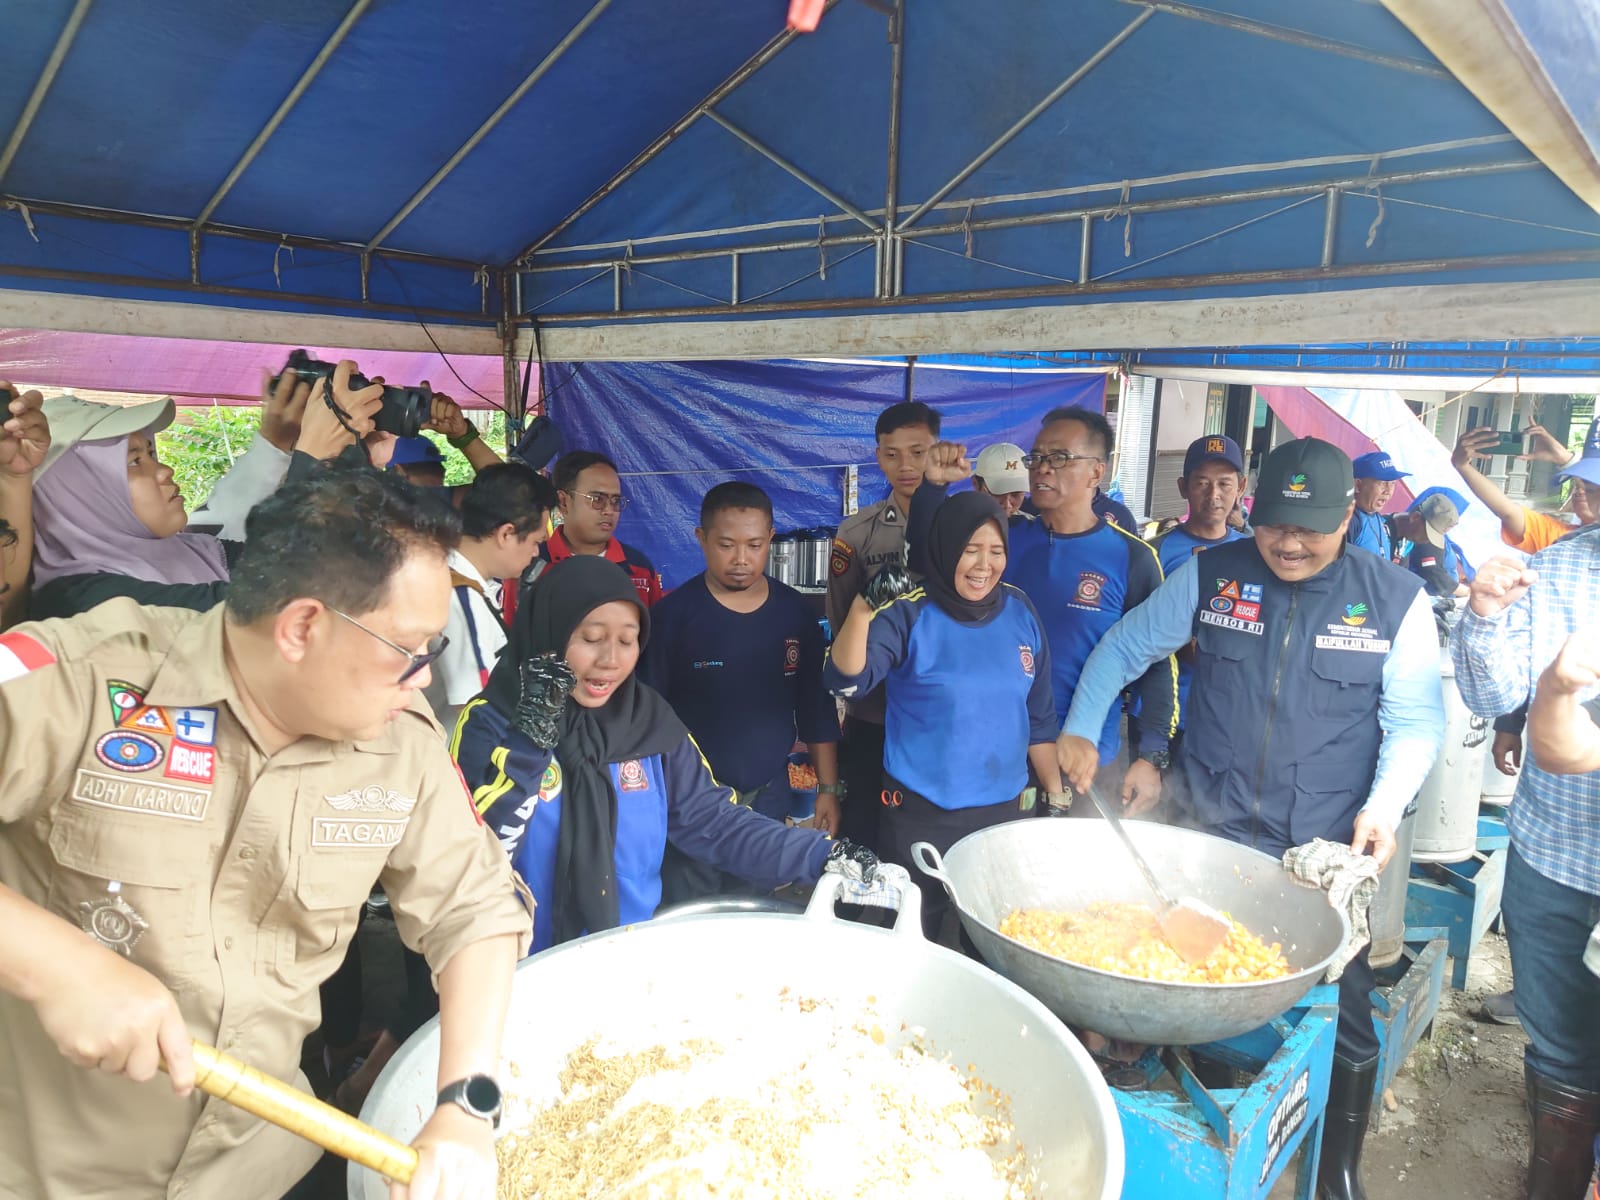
(73, 420)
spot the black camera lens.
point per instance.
(405, 410)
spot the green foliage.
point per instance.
(201, 445)
(197, 447)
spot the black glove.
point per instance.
(891, 582)
(855, 862)
(546, 683)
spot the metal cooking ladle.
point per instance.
(1192, 927)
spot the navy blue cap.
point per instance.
(1378, 465)
(1213, 448)
(411, 451)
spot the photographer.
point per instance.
(109, 521)
(24, 439)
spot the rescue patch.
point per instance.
(127, 751)
(330, 832)
(841, 558)
(1247, 611)
(1026, 654)
(20, 654)
(147, 719)
(195, 764)
(1229, 621)
(1328, 641)
(124, 698)
(791, 656)
(128, 795)
(632, 775)
(197, 726)
(1091, 586)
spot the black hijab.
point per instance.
(635, 723)
(949, 534)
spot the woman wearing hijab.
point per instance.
(967, 674)
(110, 521)
(586, 776)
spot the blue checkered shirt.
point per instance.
(1555, 819)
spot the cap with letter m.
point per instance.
(1307, 482)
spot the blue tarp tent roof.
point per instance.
(683, 178)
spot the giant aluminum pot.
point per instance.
(1068, 865)
(715, 974)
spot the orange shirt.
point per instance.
(1538, 531)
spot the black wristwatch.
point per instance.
(476, 1095)
(1159, 759)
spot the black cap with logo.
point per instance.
(1306, 482)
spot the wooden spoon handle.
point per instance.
(300, 1113)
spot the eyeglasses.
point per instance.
(1281, 532)
(436, 647)
(1056, 459)
(600, 501)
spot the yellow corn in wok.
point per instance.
(1125, 939)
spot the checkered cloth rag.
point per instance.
(1351, 881)
(887, 889)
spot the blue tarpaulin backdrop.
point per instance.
(677, 430)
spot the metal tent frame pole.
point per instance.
(47, 76)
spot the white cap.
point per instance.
(73, 420)
(1000, 467)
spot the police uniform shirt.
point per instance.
(864, 543)
(126, 762)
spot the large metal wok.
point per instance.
(716, 975)
(1067, 865)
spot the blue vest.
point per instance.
(1283, 733)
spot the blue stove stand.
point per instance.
(1192, 1144)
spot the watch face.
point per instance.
(482, 1094)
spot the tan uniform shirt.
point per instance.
(127, 760)
(874, 536)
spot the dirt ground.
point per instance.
(1458, 1130)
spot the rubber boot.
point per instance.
(1344, 1129)
(1565, 1121)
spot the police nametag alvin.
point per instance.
(112, 921)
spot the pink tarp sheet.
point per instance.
(200, 372)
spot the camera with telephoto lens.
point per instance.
(404, 412)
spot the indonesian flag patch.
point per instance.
(20, 654)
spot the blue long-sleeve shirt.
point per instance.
(517, 789)
(1410, 711)
(1555, 819)
(964, 701)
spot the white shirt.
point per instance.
(460, 671)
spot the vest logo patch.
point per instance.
(1026, 654)
(632, 775)
(1091, 586)
(791, 657)
(1329, 641)
(1228, 588)
(1296, 487)
(124, 699)
(371, 799)
(147, 718)
(1221, 604)
(1245, 610)
(1354, 614)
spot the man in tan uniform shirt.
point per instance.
(193, 808)
(866, 542)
